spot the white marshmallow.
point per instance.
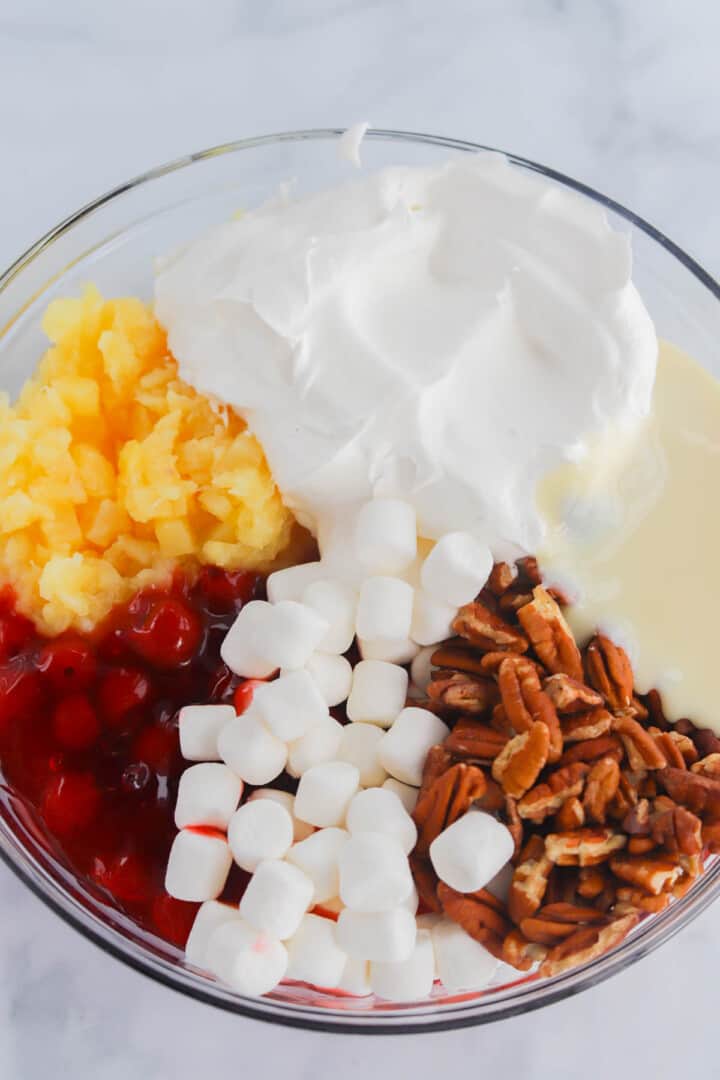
(241, 646)
(335, 601)
(250, 750)
(412, 901)
(409, 979)
(325, 791)
(406, 794)
(320, 744)
(360, 746)
(456, 569)
(261, 829)
(406, 744)
(208, 794)
(198, 865)
(210, 916)
(471, 851)
(378, 692)
(318, 857)
(461, 962)
(290, 584)
(379, 935)
(332, 675)
(384, 610)
(392, 651)
(289, 636)
(336, 541)
(355, 978)
(314, 954)
(421, 668)
(500, 884)
(291, 705)
(247, 960)
(374, 873)
(301, 829)
(380, 810)
(431, 620)
(199, 727)
(276, 898)
(386, 535)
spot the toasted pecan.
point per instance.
(642, 750)
(653, 874)
(678, 830)
(472, 911)
(585, 847)
(601, 787)
(487, 631)
(519, 763)
(698, 793)
(592, 749)
(529, 883)
(609, 671)
(571, 814)
(586, 944)
(521, 953)
(457, 659)
(570, 696)
(546, 799)
(586, 725)
(449, 797)
(551, 637)
(460, 691)
(502, 576)
(472, 739)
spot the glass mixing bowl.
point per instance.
(112, 242)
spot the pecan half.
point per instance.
(551, 637)
(449, 797)
(460, 691)
(570, 696)
(519, 763)
(586, 725)
(488, 631)
(642, 750)
(521, 953)
(707, 766)
(491, 661)
(555, 922)
(600, 789)
(701, 794)
(478, 917)
(669, 748)
(547, 798)
(437, 761)
(426, 882)
(501, 578)
(678, 830)
(586, 944)
(592, 749)
(592, 880)
(457, 659)
(586, 847)
(630, 899)
(529, 882)
(609, 671)
(470, 738)
(654, 875)
(571, 814)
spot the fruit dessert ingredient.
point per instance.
(112, 470)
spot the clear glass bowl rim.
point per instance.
(528, 995)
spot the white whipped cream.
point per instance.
(445, 334)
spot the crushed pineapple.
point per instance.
(112, 470)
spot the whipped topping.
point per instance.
(446, 335)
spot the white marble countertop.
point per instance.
(624, 96)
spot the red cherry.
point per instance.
(121, 691)
(75, 722)
(156, 746)
(21, 692)
(173, 918)
(16, 633)
(125, 876)
(244, 693)
(68, 664)
(71, 803)
(223, 589)
(167, 635)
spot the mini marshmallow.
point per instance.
(291, 705)
(500, 884)
(380, 810)
(318, 857)
(292, 635)
(360, 746)
(290, 584)
(210, 916)
(199, 727)
(198, 865)
(301, 829)
(325, 791)
(386, 535)
(314, 954)
(276, 898)
(412, 901)
(456, 569)
(374, 873)
(208, 794)
(406, 744)
(335, 601)
(384, 610)
(407, 795)
(391, 650)
(250, 750)
(471, 851)
(238, 648)
(262, 829)
(378, 692)
(355, 978)
(431, 619)
(332, 675)
(336, 541)
(409, 979)
(421, 668)
(247, 960)
(461, 962)
(321, 743)
(388, 936)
